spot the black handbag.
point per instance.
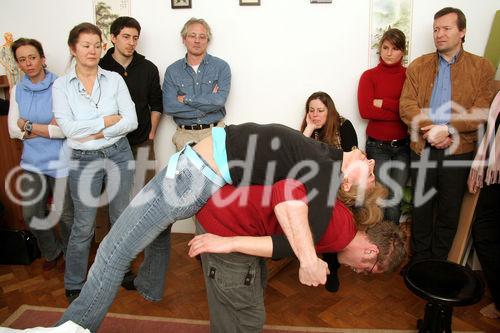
(18, 247)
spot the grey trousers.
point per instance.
(235, 284)
(37, 188)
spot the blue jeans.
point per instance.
(392, 168)
(150, 280)
(90, 170)
(159, 204)
(37, 188)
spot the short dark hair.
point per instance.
(461, 20)
(124, 22)
(27, 41)
(390, 242)
(84, 27)
(396, 37)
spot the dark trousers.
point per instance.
(438, 190)
(486, 236)
(392, 170)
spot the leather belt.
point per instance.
(391, 143)
(198, 126)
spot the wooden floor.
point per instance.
(381, 302)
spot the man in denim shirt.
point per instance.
(195, 88)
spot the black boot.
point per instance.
(332, 281)
(72, 294)
(128, 281)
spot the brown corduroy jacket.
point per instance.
(472, 92)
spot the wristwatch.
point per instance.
(28, 126)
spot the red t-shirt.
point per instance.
(249, 211)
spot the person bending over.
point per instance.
(234, 268)
(240, 155)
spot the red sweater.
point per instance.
(252, 214)
(383, 82)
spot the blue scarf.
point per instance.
(42, 155)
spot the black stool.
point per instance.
(443, 285)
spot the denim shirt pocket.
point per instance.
(185, 86)
(209, 81)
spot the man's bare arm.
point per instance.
(293, 219)
(260, 246)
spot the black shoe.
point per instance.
(332, 282)
(128, 281)
(71, 295)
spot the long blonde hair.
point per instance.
(369, 212)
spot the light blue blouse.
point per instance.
(80, 115)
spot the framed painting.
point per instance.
(105, 12)
(178, 4)
(386, 14)
(249, 2)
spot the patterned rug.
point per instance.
(33, 316)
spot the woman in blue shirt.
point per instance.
(44, 159)
(94, 109)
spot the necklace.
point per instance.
(89, 96)
(99, 98)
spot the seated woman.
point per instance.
(45, 158)
(235, 281)
(323, 123)
(241, 155)
(378, 100)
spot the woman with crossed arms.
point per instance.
(94, 109)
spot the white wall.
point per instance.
(279, 52)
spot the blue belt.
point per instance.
(220, 153)
(198, 163)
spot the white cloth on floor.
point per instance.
(67, 327)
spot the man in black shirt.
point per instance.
(143, 82)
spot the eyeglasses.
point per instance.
(195, 36)
(373, 267)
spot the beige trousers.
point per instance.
(183, 136)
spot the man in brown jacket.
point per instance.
(444, 100)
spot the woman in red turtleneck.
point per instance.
(378, 100)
